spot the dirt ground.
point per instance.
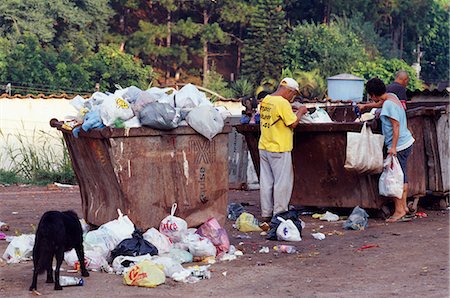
(411, 260)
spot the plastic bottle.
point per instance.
(66, 281)
(285, 248)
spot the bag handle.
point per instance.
(281, 219)
(174, 208)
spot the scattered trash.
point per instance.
(240, 236)
(36, 293)
(285, 248)
(212, 230)
(200, 246)
(14, 212)
(2, 236)
(328, 216)
(200, 272)
(66, 281)
(264, 226)
(367, 247)
(145, 274)
(19, 249)
(135, 246)
(292, 215)
(358, 220)
(159, 240)
(62, 185)
(238, 253)
(334, 232)
(287, 230)
(234, 210)
(246, 222)
(263, 233)
(224, 273)
(264, 250)
(179, 255)
(172, 226)
(318, 236)
(421, 214)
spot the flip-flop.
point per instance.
(409, 215)
(392, 219)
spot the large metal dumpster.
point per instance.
(144, 171)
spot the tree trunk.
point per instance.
(168, 40)
(402, 31)
(205, 49)
(326, 12)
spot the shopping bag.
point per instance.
(287, 230)
(391, 180)
(364, 153)
(173, 227)
(145, 274)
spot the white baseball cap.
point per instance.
(290, 83)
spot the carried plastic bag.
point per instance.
(358, 220)
(145, 274)
(246, 222)
(114, 107)
(19, 249)
(212, 230)
(287, 230)
(391, 180)
(159, 240)
(364, 153)
(173, 227)
(205, 120)
(135, 246)
(320, 116)
(159, 116)
(201, 246)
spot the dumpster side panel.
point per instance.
(320, 176)
(417, 182)
(443, 131)
(100, 191)
(157, 171)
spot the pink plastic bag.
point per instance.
(212, 230)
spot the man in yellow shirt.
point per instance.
(275, 145)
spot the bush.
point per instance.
(216, 83)
(241, 88)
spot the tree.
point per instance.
(262, 52)
(385, 69)
(330, 49)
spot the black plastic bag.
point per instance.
(136, 246)
(234, 210)
(274, 223)
(159, 116)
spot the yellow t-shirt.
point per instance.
(276, 116)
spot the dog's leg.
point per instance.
(50, 273)
(34, 282)
(35, 265)
(80, 254)
(59, 258)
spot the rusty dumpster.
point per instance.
(143, 171)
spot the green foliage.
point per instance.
(216, 83)
(262, 52)
(385, 69)
(330, 49)
(312, 84)
(241, 88)
(9, 177)
(109, 66)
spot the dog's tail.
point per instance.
(44, 255)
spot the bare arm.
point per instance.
(370, 105)
(300, 112)
(395, 135)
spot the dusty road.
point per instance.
(411, 260)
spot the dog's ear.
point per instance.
(71, 213)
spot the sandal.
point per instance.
(392, 219)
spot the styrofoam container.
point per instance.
(345, 87)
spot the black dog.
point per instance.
(57, 233)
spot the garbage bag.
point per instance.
(212, 230)
(287, 230)
(160, 241)
(135, 246)
(119, 229)
(293, 215)
(145, 274)
(91, 120)
(121, 263)
(173, 227)
(320, 116)
(170, 266)
(190, 97)
(159, 116)
(358, 220)
(234, 210)
(179, 255)
(364, 152)
(205, 120)
(132, 94)
(99, 241)
(246, 222)
(114, 107)
(92, 259)
(201, 246)
(391, 180)
(19, 249)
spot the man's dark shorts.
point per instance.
(403, 160)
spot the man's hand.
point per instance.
(392, 151)
(302, 110)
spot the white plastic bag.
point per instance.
(287, 230)
(170, 265)
(320, 116)
(364, 154)
(391, 180)
(99, 241)
(92, 259)
(114, 107)
(189, 97)
(119, 229)
(172, 226)
(201, 246)
(19, 249)
(205, 120)
(160, 241)
(119, 268)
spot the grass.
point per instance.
(40, 159)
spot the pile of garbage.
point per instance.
(143, 259)
(158, 108)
